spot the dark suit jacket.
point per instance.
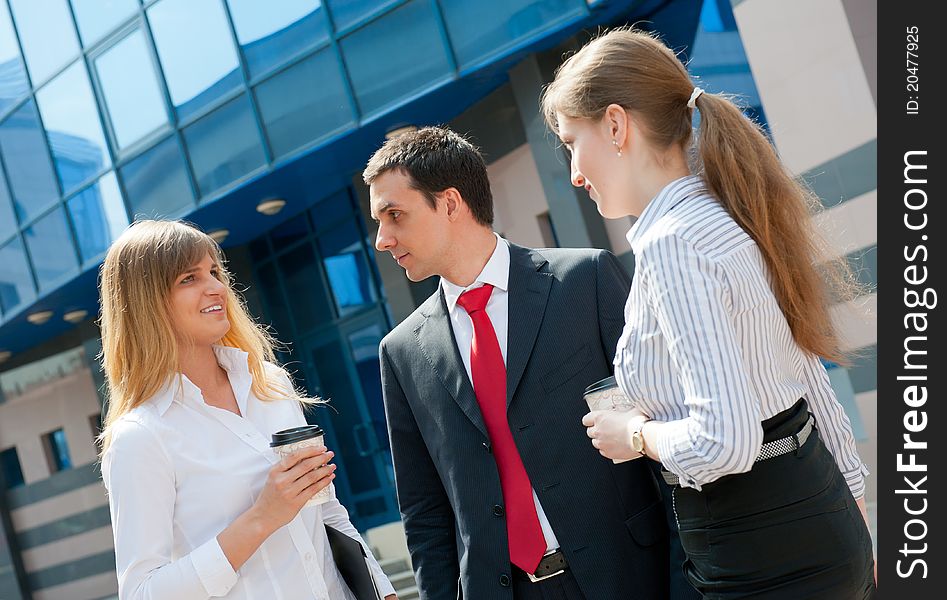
(565, 318)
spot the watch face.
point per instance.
(637, 442)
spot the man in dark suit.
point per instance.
(501, 493)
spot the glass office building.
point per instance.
(211, 110)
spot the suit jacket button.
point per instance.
(505, 580)
(498, 510)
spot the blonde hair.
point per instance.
(739, 166)
(139, 344)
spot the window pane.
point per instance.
(365, 343)
(73, 127)
(47, 35)
(304, 103)
(97, 17)
(224, 145)
(130, 87)
(16, 283)
(306, 297)
(98, 216)
(10, 471)
(382, 77)
(57, 451)
(196, 51)
(50, 244)
(290, 232)
(271, 33)
(26, 158)
(509, 22)
(7, 216)
(326, 213)
(12, 72)
(277, 310)
(347, 12)
(156, 182)
(346, 267)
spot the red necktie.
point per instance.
(523, 531)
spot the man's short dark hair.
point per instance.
(434, 159)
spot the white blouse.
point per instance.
(706, 347)
(179, 471)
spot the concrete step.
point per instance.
(410, 593)
(393, 566)
(405, 579)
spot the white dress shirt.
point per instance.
(707, 348)
(496, 273)
(179, 471)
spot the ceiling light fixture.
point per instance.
(271, 206)
(219, 235)
(38, 318)
(399, 130)
(75, 316)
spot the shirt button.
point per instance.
(498, 510)
(308, 557)
(505, 580)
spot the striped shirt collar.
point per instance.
(670, 196)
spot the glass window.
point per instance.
(12, 73)
(26, 158)
(98, 216)
(277, 310)
(305, 295)
(156, 182)
(130, 88)
(7, 216)
(349, 12)
(47, 35)
(10, 471)
(290, 232)
(16, 283)
(73, 127)
(382, 77)
(184, 31)
(510, 21)
(50, 245)
(346, 267)
(271, 33)
(364, 344)
(224, 145)
(95, 18)
(57, 451)
(331, 210)
(305, 102)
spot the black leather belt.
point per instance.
(551, 565)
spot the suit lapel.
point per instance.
(435, 337)
(528, 293)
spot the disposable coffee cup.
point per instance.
(287, 441)
(606, 395)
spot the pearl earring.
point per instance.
(615, 143)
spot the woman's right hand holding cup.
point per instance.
(291, 482)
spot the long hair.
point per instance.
(139, 344)
(734, 158)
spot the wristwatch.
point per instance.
(637, 438)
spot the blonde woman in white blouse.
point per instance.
(726, 322)
(201, 506)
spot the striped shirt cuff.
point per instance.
(674, 442)
(213, 568)
(856, 481)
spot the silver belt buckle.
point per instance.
(534, 579)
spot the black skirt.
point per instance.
(787, 529)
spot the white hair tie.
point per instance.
(692, 103)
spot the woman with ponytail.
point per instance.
(726, 323)
(201, 506)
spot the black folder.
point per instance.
(349, 557)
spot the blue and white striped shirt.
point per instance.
(706, 347)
